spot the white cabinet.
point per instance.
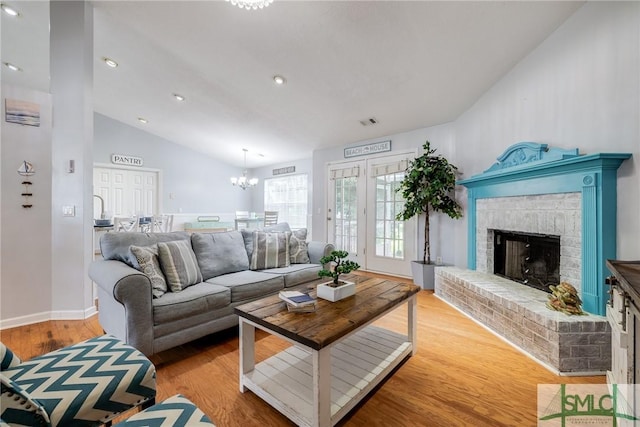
(126, 192)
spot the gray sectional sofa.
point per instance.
(134, 307)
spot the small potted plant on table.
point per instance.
(337, 264)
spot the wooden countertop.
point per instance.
(628, 275)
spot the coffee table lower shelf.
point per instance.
(358, 363)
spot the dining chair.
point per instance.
(270, 218)
(162, 223)
(125, 223)
(242, 219)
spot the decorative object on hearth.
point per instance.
(564, 297)
(428, 186)
(251, 4)
(244, 182)
(334, 265)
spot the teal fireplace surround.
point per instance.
(529, 168)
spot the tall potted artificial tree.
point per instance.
(428, 186)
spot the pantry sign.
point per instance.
(123, 159)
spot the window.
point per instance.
(288, 196)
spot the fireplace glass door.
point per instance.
(531, 259)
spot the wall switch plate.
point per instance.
(68, 211)
(438, 260)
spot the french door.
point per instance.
(363, 204)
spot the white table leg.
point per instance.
(247, 350)
(411, 323)
(322, 387)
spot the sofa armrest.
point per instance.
(317, 250)
(124, 303)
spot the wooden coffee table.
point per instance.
(338, 356)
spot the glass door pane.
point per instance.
(346, 214)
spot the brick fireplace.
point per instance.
(536, 189)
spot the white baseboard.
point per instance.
(48, 315)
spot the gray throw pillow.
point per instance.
(298, 252)
(148, 263)
(220, 253)
(179, 264)
(270, 250)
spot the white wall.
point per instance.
(199, 184)
(71, 76)
(25, 252)
(579, 89)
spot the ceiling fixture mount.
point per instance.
(279, 80)
(178, 97)
(244, 182)
(368, 122)
(251, 4)
(9, 10)
(143, 120)
(110, 62)
(12, 67)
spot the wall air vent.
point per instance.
(368, 122)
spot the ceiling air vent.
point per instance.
(368, 122)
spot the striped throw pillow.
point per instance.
(179, 264)
(270, 250)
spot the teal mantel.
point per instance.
(529, 168)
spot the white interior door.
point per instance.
(362, 204)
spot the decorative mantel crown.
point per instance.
(528, 152)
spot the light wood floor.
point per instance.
(461, 375)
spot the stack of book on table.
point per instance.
(298, 301)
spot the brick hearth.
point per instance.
(568, 345)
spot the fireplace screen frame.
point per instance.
(527, 258)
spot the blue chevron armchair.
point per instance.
(85, 384)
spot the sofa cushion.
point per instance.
(220, 253)
(179, 264)
(201, 298)
(247, 235)
(116, 245)
(298, 252)
(296, 274)
(247, 285)
(146, 258)
(270, 250)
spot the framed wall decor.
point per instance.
(22, 112)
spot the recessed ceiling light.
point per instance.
(279, 80)
(178, 97)
(110, 62)
(12, 67)
(9, 10)
(143, 120)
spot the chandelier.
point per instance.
(251, 4)
(244, 182)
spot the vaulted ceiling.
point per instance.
(406, 64)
